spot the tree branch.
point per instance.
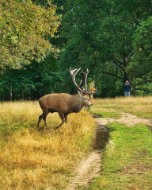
(111, 74)
(118, 64)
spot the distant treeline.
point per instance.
(40, 40)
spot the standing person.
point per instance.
(127, 88)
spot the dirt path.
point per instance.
(87, 170)
(126, 118)
(90, 167)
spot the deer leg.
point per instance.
(44, 118)
(63, 120)
(65, 117)
(40, 118)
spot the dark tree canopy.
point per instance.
(41, 39)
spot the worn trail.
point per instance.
(87, 170)
(126, 118)
(90, 167)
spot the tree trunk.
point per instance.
(11, 93)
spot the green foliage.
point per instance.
(141, 63)
(32, 81)
(110, 38)
(99, 35)
(26, 30)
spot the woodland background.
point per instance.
(41, 39)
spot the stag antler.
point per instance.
(73, 73)
(85, 79)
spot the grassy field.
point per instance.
(38, 160)
(140, 106)
(127, 159)
(35, 160)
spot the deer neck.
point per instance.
(76, 103)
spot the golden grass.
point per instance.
(32, 159)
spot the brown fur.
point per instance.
(63, 104)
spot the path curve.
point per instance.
(126, 118)
(90, 166)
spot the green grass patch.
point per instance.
(104, 112)
(126, 160)
(107, 114)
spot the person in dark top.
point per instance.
(127, 88)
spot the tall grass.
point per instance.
(32, 159)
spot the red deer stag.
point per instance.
(64, 103)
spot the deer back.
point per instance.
(62, 102)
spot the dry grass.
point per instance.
(32, 159)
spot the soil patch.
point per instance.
(87, 170)
(136, 169)
(126, 118)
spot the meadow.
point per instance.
(127, 158)
(40, 159)
(139, 106)
(36, 159)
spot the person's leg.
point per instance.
(129, 93)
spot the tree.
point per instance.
(140, 68)
(32, 81)
(111, 38)
(26, 30)
(141, 64)
(99, 35)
